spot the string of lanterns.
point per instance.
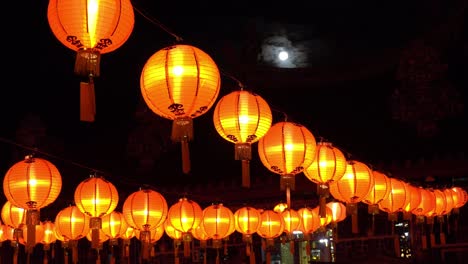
(179, 83)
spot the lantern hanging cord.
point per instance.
(157, 23)
(239, 83)
(35, 150)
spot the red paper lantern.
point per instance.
(379, 191)
(180, 82)
(287, 149)
(242, 117)
(218, 222)
(184, 216)
(352, 188)
(90, 28)
(329, 165)
(96, 197)
(397, 200)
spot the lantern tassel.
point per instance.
(87, 102)
(246, 173)
(182, 131)
(32, 219)
(186, 248)
(75, 253)
(252, 254)
(217, 256)
(204, 257)
(186, 166)
(15, 255)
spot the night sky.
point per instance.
(347, 57)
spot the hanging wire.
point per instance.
(158, 23)
(36, 150)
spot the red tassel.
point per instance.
(87, 102)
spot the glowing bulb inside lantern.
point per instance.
(178, 70)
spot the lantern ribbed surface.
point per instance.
(71, 223)
(309, 220)
(338, 211)
(440, 203)
(380, 190)
(287, 148)
(291, 219)
(246, 220)
(326, 219)
(32, 183)
(185, 215)
(242, 117)
(180, 81)
(114, 224)
(329, 164)
(398, 197)
(171, 231)
(49, 232)
(355, 184)
(271, 224)
(459, 197)
(428, 203)
(103, 25)
(199, 233)
(415, 198)
(449, 199)
(96, 196)
(13, 215)
(145, 209)
(218, 221)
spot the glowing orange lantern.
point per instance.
(71, 225)
(176, 237)
(96, 197)
(309, 220)
(145, 210)
(184, 216)
(217, 222)
(246, 222)
(114, 226)
(242, 117)
(90, 28)
(14, 217)
(426, 205)
(329, 165)
(379, 191)
(415, 198)
(459, 198)
(32, 184)
(287, 149)
(49, 234)
(180, 82)
(397, 200)
(352, 188)
(338, 211)
(271, 226)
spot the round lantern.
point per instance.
(271, 226)
(309, 221)
(459, 198)
(246, 222)
(184, 216)
(49, 234)
(32, 184)
(90, 28)
(71, 224)
(114, 225)
(324, 220)
(242, 117)
(96, 197)
(329, 165)
(179, 83)
(426, 206)
(287, 149)
(379, 191)
(145, 210)
(217, 222)
(414, 201)
(352, 188)
(338, 210)
(397, 199)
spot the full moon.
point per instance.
(283, 55)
